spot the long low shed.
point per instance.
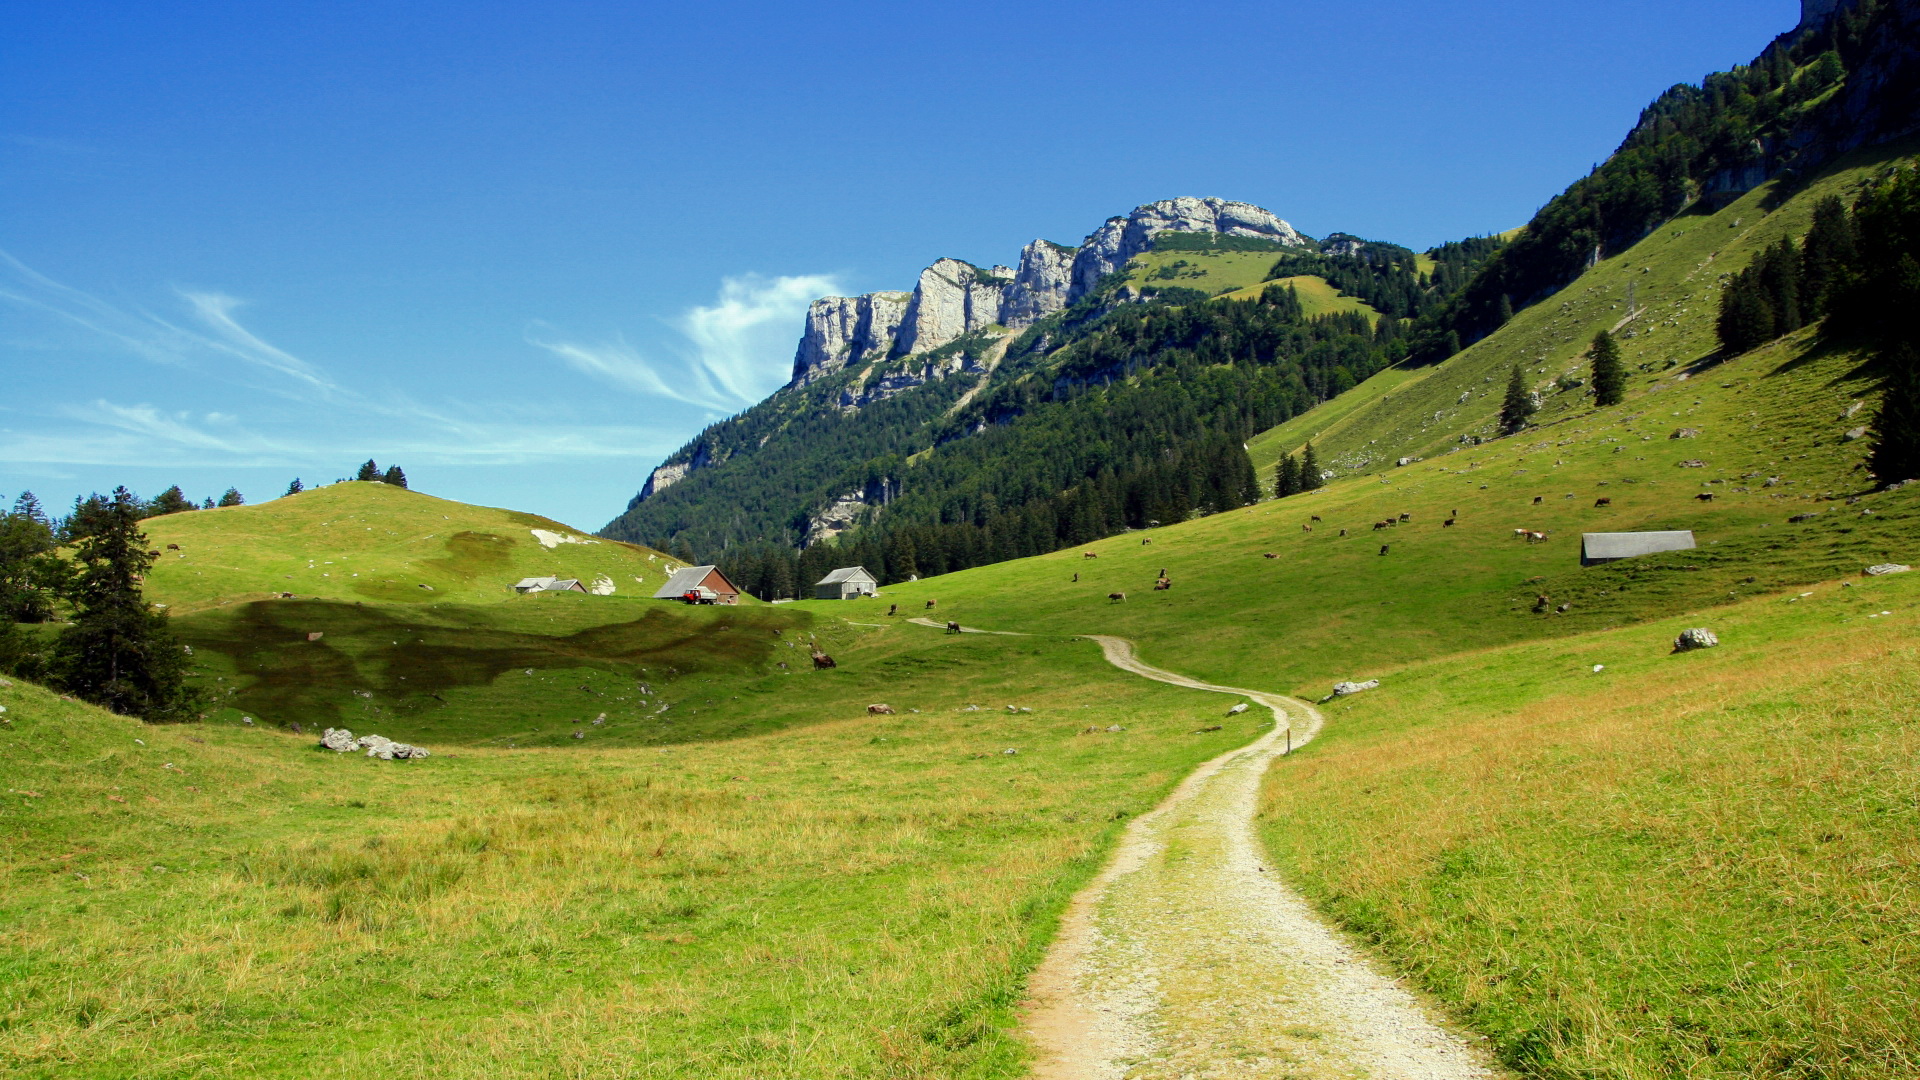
(1606, 547)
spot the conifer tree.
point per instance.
(1609, 373)
(170, 501)
(394, 476)
(233, 498)
(295, 488)
(369, 471)
(119, 652)
(1895, 455)
(1826, 253)
(1518, 407)
(1286, 477)
(1310, 479)
(31, 575)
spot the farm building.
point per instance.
(705, 582)
(845, 584)
(548, 584)
(1598, 548)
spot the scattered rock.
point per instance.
(1342, 689)
(1115, 728)
(1692, 463)
(316, 635)
(1009, 751)
(1598, 668)
(1855, 433)
(1237, 709)
(1697, 638)
(1564, 608)
(296, 727)
(1852, 411)
(341, 741)
(1887, 568)
(579, 734)
(1685, 433)
(1798, 518)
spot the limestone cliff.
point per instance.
(1121, 238)
(844, 331)
(952, 298)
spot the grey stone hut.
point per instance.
(845, 584)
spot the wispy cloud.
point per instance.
(216, 311)
(731, 354)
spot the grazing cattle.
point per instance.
(1379, 525)
(880, 710)
(1145, 541)
(1542, 602)
(930, 604)
(953, 627)
(1269, 555)
(1076, 578)
(1116, 596)
(1603, 501)
(1306, 528)
(173, 547)
(822, 660)
(1343, 532)
(1383, 548)
(1162, 585)
(1406, 517)
(1538, 499)
(1705, 496)
(153, 554)
(1536, 537)
(1316, 517)
(1089, 554)
(1447, 524)
(1519, 532)
(892, 609)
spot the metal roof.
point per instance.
(684, 580)
(846, 573)
(533, 583)
(1628, 544)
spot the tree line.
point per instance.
(1859, 269)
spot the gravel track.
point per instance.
(1188, 957)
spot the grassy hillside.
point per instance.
(1316, 296)
(223, 901)
(1316, 424)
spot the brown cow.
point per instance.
(1145, 541)
(1269, 555)
(879, 710)
(1603, 501)
(1306, 528)
(930, 604)
(822, 660)
(1114, 596)
(1316, 517)
(953, 627)
(1089, 554)
(173, 547)
(1162, 585)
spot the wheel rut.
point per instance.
(1188, 957)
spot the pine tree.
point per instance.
(1310, 478)
(395, 477)
(31, 575)
(1518, 406)
(295, 488)
(1506, 309)
(233, 498)
(369, 471)
(1287, 477)
(119, 652)
(1746, 319)
(1609, 373)
(1826, 253)
(170, 501)
(1895, 453)
(89, 515)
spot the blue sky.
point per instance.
(526, 250)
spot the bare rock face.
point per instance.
(952, 298)
(341, 741)
(1342, 689)
(1040, 285)
(847, 330)
(1121, 238)
(665, 476)
(1697, 638)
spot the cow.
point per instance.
(153, 554)
(1447, 524)
(1378, 525)
(173, 547)
(1520, 532)
(1076, 579)
(879, 710)
(1406, 517)
(892, 609)
(1089, 554)
(1383, 548)
(822, 661)
(1114, 597)
(1316, 517)
(1162, 585)
(1538, 499)
(953, 627)
(930, 604)
(1542, 602)
(1705, 496)
(1269, 555)
(1602, 501)
(1145, 540)
(1306, 528)
(1343, 532)
(1536, 537)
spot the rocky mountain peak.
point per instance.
(1120, 239)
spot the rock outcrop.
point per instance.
(952, 298)
(1040, 285)
(1698, 637)
(1121, 238)
(341, 741)
(844, 331)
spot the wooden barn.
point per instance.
(1598, 548)
(705, 582)
(845, 584)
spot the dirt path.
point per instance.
(1189, 958)
(965, 629)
